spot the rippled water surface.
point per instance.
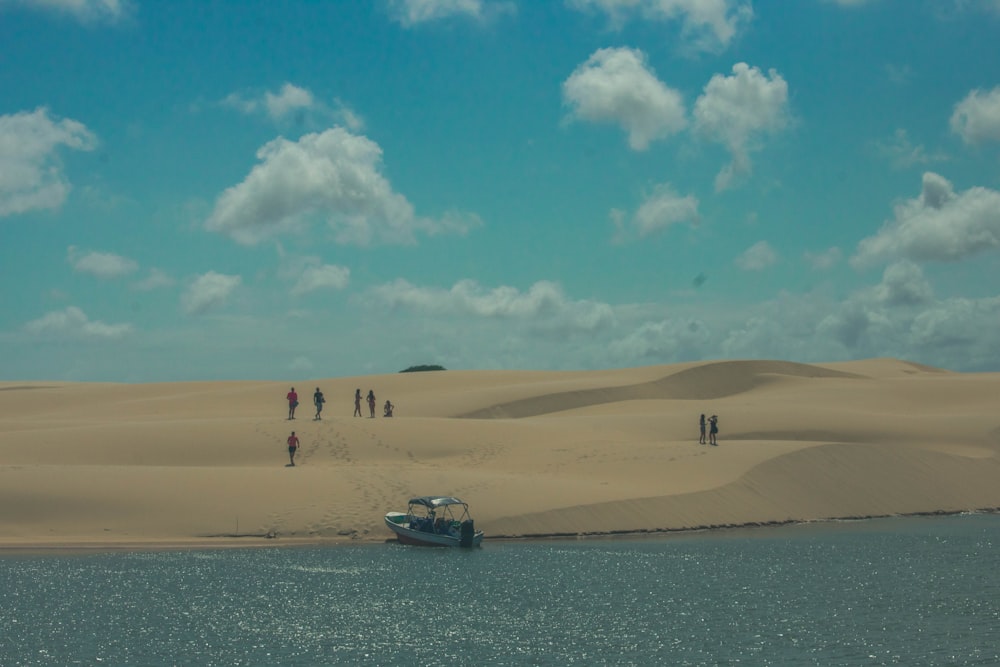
(889, 592)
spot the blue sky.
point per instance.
(236, 190)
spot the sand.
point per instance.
(88, 465)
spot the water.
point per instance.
(889, 592)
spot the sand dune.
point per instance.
(535, 453)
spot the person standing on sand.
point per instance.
(357, 402)
(293, 402)
(371, 403)
(318, 401)
(701, 426)
(293, 447)
(713, 430)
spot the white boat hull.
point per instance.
(399, 523)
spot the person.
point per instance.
(701, 426)
(357, 402)
(713, 430)
(387, 409)
(371, 403)
(293, 402)
(318, 401)
(293, 447)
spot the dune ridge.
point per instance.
(535, 453)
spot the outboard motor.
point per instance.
(468, 533)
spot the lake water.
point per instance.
(915, 591)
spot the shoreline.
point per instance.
(225, 542)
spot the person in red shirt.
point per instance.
(293, 447)
(293, 402)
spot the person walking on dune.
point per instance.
(713, 430)
(357, 402)
(293, 402)
(293, 448)
(701, 427)
(371, 403)
(318, 401)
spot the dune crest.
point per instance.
(702, 382)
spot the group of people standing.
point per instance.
(713, 430)
(386, 409)
(318, 401)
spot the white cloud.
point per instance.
(544, 304)
(294, 103)
(757, 257)
(736, 111)
(413, 12)
(86, 11)
(706, 25)
(320, 277)
(73, 323)
(156, 279)
(662, 208)
(874, 320)
(208, 291)
(30, 174)
(103, 265)
(823, 260)
(903, 153)
(940, 225)
(287, 100)
(903, 284)
(334, 176)
(672, 339)
(617, 85)
(977, 117)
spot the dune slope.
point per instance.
(534, 453)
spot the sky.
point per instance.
(249, 189)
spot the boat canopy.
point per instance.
(435, 501)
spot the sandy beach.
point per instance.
(89, 465)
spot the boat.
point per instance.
(435, 521)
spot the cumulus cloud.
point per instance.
(156, 279)
(333, 176)
(757, 257)
(30, 173)
(618, 86)
(74, 323)
(821, 261)
(706, 25)
(939, 225)
(737, 111)
(208, 291)
(903, 284)
(105, 265)
(295, 103)
(318, 276)
(903, 153)
(543, 304)
(410, 13)
(871, 317)
(86, 11)
(658, 342)
(662, 208)
(287, 100)
(977, 117)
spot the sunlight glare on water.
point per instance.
(892, 592)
